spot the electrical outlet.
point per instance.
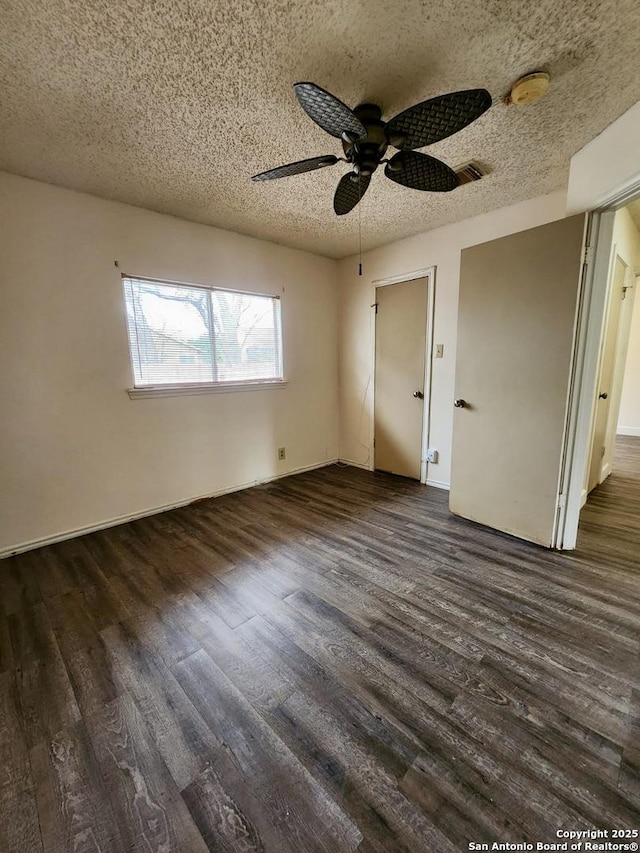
(432, 456)
(281, 453)
(439, 353)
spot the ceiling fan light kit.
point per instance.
(365, 138)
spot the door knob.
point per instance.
(419, 395)
(460, 404)
(603, 396)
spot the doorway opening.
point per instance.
(615, 438)
(606, 390)
(403, 348)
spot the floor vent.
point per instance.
(469, 172)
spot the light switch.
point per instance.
(439, 351)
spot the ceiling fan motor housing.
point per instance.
(365, 154)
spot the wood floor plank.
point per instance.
(407, 718)
(222, 824)
(229, 607)
(151, 610)
(148, 807)
(83, 652)
(100, 597)
(56, 571)
(19, 829)
(18, 584)
(259, 682)
(277, 574)
(629, 777)
(298, 807)
(461, 809)
(32, 637)
(47, 700)
(604, 713)
(71, 620)
(348, 651)
(177, 730)
(594, 798)
(74, 811)
(322, 685)
(312, 677)
(477, 764)
(410, 825)
(622, 620)
(542, 711)
(367, 602)
(432, 730)
(6, 650)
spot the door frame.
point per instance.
(429, 273)
(599, 256)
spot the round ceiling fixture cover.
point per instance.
(530, 88)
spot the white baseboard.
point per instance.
(622, 430)
(583, 497)
(123, 519)
(438, 484)
(353, 464)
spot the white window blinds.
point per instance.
(184, 335)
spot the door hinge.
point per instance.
(562, 501)
(375, 305)
(588, 254)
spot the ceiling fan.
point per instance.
(365, 139)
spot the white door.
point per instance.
(597, 470)
(516, 323)
(401, 324)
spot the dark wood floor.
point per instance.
(327, 663)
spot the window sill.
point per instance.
(204, 388)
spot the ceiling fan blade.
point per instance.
(433, 120)
(421, 172)
(328, 112)
(349, 192)
(296, 168)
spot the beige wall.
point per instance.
(629, 415)
(75, 451)
(440, 248)
(624, 244)
(606, 166)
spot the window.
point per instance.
(184, 335)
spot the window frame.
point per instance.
(137, 392)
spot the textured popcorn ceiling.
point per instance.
(173, 105)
